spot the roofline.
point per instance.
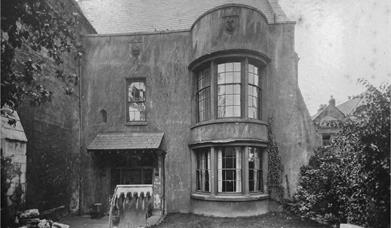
(81, 13)
(226, 6)
(137, 33)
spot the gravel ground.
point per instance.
(269, 220)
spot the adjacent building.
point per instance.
(328, 119)
(13, 157)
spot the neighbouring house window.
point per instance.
(255, 177)
(203, 170)
(136, 100)
(203, 95)
(228, 89)
(229, 169)
(326, 139)
(254, 92)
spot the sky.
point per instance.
(338, 42)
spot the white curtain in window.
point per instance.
(219, 170)
(238, 170)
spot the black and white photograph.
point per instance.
(195, 113)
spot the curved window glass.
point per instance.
(254, 91)
(203, 95)
(229, 88)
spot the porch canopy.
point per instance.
(127, 141)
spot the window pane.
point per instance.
(136, 92)
(136, 101)
(228, 89)
(204, 104)
(220, 68)
(136, 111)
(236, 77)
(229, 169)
(203, 95)
(202, 169)
(255, 179)
(253, 102)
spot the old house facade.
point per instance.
(327, 120)
(179, 101)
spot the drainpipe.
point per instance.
(164, 183)
(79, 55)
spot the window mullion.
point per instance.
(244, 94)
(213, 91)
(212, 174)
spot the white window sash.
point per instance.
(219, 170)
(238, 170)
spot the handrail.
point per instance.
(138, 191)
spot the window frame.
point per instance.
(258, 87)
(207, 111)
(245, 60)
(129, 81)
(215, 193)
(208, 162)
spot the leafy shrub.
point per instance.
(349, 181)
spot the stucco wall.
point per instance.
(163, 61)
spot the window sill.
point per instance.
(136, 123)
(230, 198)
(228, 120)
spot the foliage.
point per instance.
(274, 178)
(349, 181)
(43, 29)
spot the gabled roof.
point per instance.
(350, 106)
(126, 141)
(347, 108)
(129, 16)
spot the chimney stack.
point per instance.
(332, 101)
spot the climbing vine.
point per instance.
(274, 179)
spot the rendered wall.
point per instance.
(163, 61)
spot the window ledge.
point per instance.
(136, 123)
(228, 120)
(230, 198)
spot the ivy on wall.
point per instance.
(274, 178)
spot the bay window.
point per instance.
(229, 88)
(236, 170)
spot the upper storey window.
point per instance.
(254, 92)
(136, 100)
(203, 95)
(229, 88)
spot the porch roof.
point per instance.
(126, 141)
